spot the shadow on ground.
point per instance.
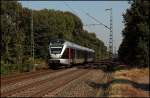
(104, 86)
(106, 67)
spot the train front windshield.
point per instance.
(56, 46)
(56, 50)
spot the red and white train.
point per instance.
(68, 53)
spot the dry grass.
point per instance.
(136, 75)
(125, 90)
(132, 73)
(40, 64)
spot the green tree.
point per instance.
(47, 25)
(134, 49)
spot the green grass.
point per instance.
(7, 69)
(117, 68)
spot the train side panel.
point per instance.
(71, 54)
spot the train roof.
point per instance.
(71, 44)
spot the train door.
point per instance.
(69, 55)
(85, 56)
(73, 56)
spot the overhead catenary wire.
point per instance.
(91, 24)
(70, 8)
(100, 23)
(92, 17)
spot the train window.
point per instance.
(73, 53)
(78, 54)
(82, 54)
(65, 54)
(56, 50)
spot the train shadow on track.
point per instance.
(59, 67)
(93, 66)
(106, 67)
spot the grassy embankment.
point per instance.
(132, 82)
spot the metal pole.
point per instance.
(111, 34)
(32, 38)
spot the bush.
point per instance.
(26, 67)
(3, 70)
(7, 69)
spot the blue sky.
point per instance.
(94, 8)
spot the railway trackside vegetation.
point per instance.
(134, 49)
(47, 24)
(132, 82)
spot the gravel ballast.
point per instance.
(82, 87)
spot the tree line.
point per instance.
(134, 50)
(48, 24)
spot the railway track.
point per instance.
(22, 83)
(65, 80)
(8, 80)
(38, 84)
(41, 83)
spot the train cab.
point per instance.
(67, 53)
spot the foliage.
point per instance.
(12, 68)
(134, 49)
(47, 25)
